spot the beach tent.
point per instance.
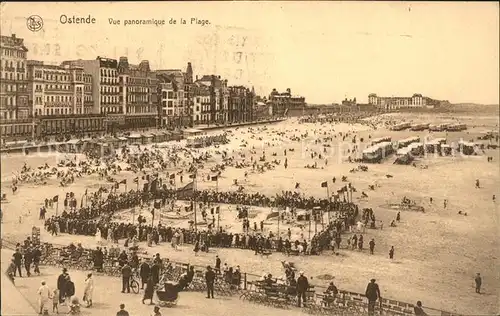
(122, 141)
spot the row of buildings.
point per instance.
(377, 103)
(109, 95)
(395, 103)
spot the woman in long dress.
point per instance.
(89, 290)
(98, 236)
(149, 291)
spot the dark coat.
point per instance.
(145, 271)
(372, 291)
(210, 277)
(61, 282)
(70, 288)
(155, 273)
(302, 284)
(149, 291)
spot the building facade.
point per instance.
(201, 103)
(138, 94)
(61, 100)
(175, 111)
(13, 85)
(219, 96)
(240, 104)
(394, 103)
(15, 113)
(105, 89)
(284, 101)
(56, 90)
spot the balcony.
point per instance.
(10, 69)
(68, 116)
(16, 121)
(59, 104)
(21, 69)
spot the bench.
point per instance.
(293, 252)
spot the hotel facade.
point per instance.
(394, 103)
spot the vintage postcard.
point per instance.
(249, 158)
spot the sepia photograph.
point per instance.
(239, 158)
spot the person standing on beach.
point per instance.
(372, 246)
(478, 281)
(391, 253)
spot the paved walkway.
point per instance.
(108, 297)
(12, 300)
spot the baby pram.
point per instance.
(169, 296)
(74, 307)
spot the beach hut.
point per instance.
(404, 156)
(400, 127)
(467, 148)
(407, 141)
(456, 127)
(176, 135)
(377, 152)
(74, 145)
(446, 150)
(122, 141)
(134, 138)
(380, 140)
(147, 138)
(192, 132)
(432, 147)
(438, 127)
(419, 127)
(158, 137)
(403, 151)
(416, 149)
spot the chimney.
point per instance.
(14, 36)
(218, 77)
(197, 77)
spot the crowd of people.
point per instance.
(92, 214)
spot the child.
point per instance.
(55, 301)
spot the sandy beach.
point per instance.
(438, 252)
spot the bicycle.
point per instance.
(134, 284)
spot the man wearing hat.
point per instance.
(302, 287)
(372, 294)
(210, 279)
(61, 284)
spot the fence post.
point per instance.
(245, 282)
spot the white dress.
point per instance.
(98, 236)
(44, 294)
(89, 289)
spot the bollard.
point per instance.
(245, 282)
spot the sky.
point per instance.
(325, 51)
